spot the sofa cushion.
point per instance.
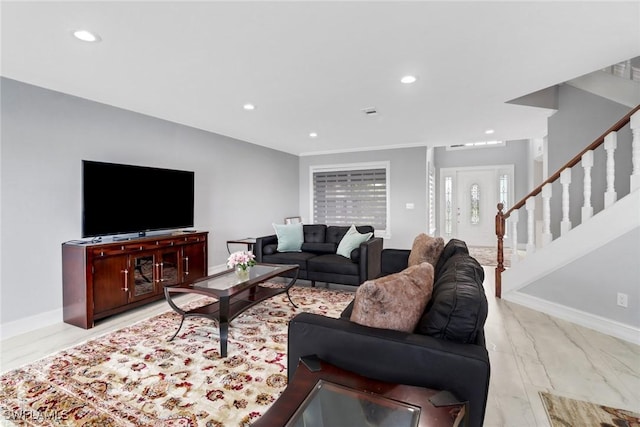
(458, 307)
(332, 263)
(453, 247)
(299, 258)
(396, 301)
(426, 249)
(319, 248)
(314, 233)
(351, 240)
(290, 237)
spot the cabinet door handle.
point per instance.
(126, 280)
(157, 271)
(186, 260)
(162, 271)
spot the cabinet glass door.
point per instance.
(168, 269)
(144, 276)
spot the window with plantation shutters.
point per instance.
(345, 196)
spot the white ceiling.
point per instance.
(313, 66)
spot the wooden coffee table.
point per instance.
(234, 295)
(323, 394)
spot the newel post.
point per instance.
(500, 236)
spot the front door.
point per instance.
(469, 197)
(476, 201)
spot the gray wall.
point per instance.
(46, 134)
(591, 282)
(408, 172)
(581, 118)
(516, 153)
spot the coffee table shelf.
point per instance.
(239, 304)
(234, 295)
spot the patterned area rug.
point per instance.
(134, 377)
(488, 255)
(563, 412)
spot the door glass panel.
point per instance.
(169, 268)
(475, 204)
(504, 191)
(143, 275)
(448, 205)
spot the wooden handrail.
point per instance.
(501, 217)
(571, 163)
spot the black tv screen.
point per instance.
(119, 199)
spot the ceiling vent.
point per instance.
(371, 111)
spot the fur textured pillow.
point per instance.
(396, 301)
(426, 249)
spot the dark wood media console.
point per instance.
(102, 279)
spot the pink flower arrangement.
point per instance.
(241, 259)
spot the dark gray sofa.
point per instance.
(446, 351)
(318, 260)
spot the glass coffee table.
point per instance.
(234, 295)
(321, 394)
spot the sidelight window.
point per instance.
(448, 205)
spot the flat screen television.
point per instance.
(121, 199)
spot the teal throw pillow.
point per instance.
(290, 237)
(351, 241)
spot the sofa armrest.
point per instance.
(261, 242)
(394, 260)
(370, 259)
(394, 356)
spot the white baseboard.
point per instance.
(42, 320)
(31, 323)
(588, 320)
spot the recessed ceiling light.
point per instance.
(249, 107)
(86, 36)
(408, 79)
(489, 131)
(313, 135)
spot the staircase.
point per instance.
(590, 273)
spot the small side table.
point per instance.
(249, 241)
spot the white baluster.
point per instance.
(565, 180)
(635, 150)
(587, 164)
(530, 205)
(546, 215)
(610, 144)
(513, 219)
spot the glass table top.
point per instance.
(334, 405)
(229, 279)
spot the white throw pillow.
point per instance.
(290, 237)
(351, 240)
